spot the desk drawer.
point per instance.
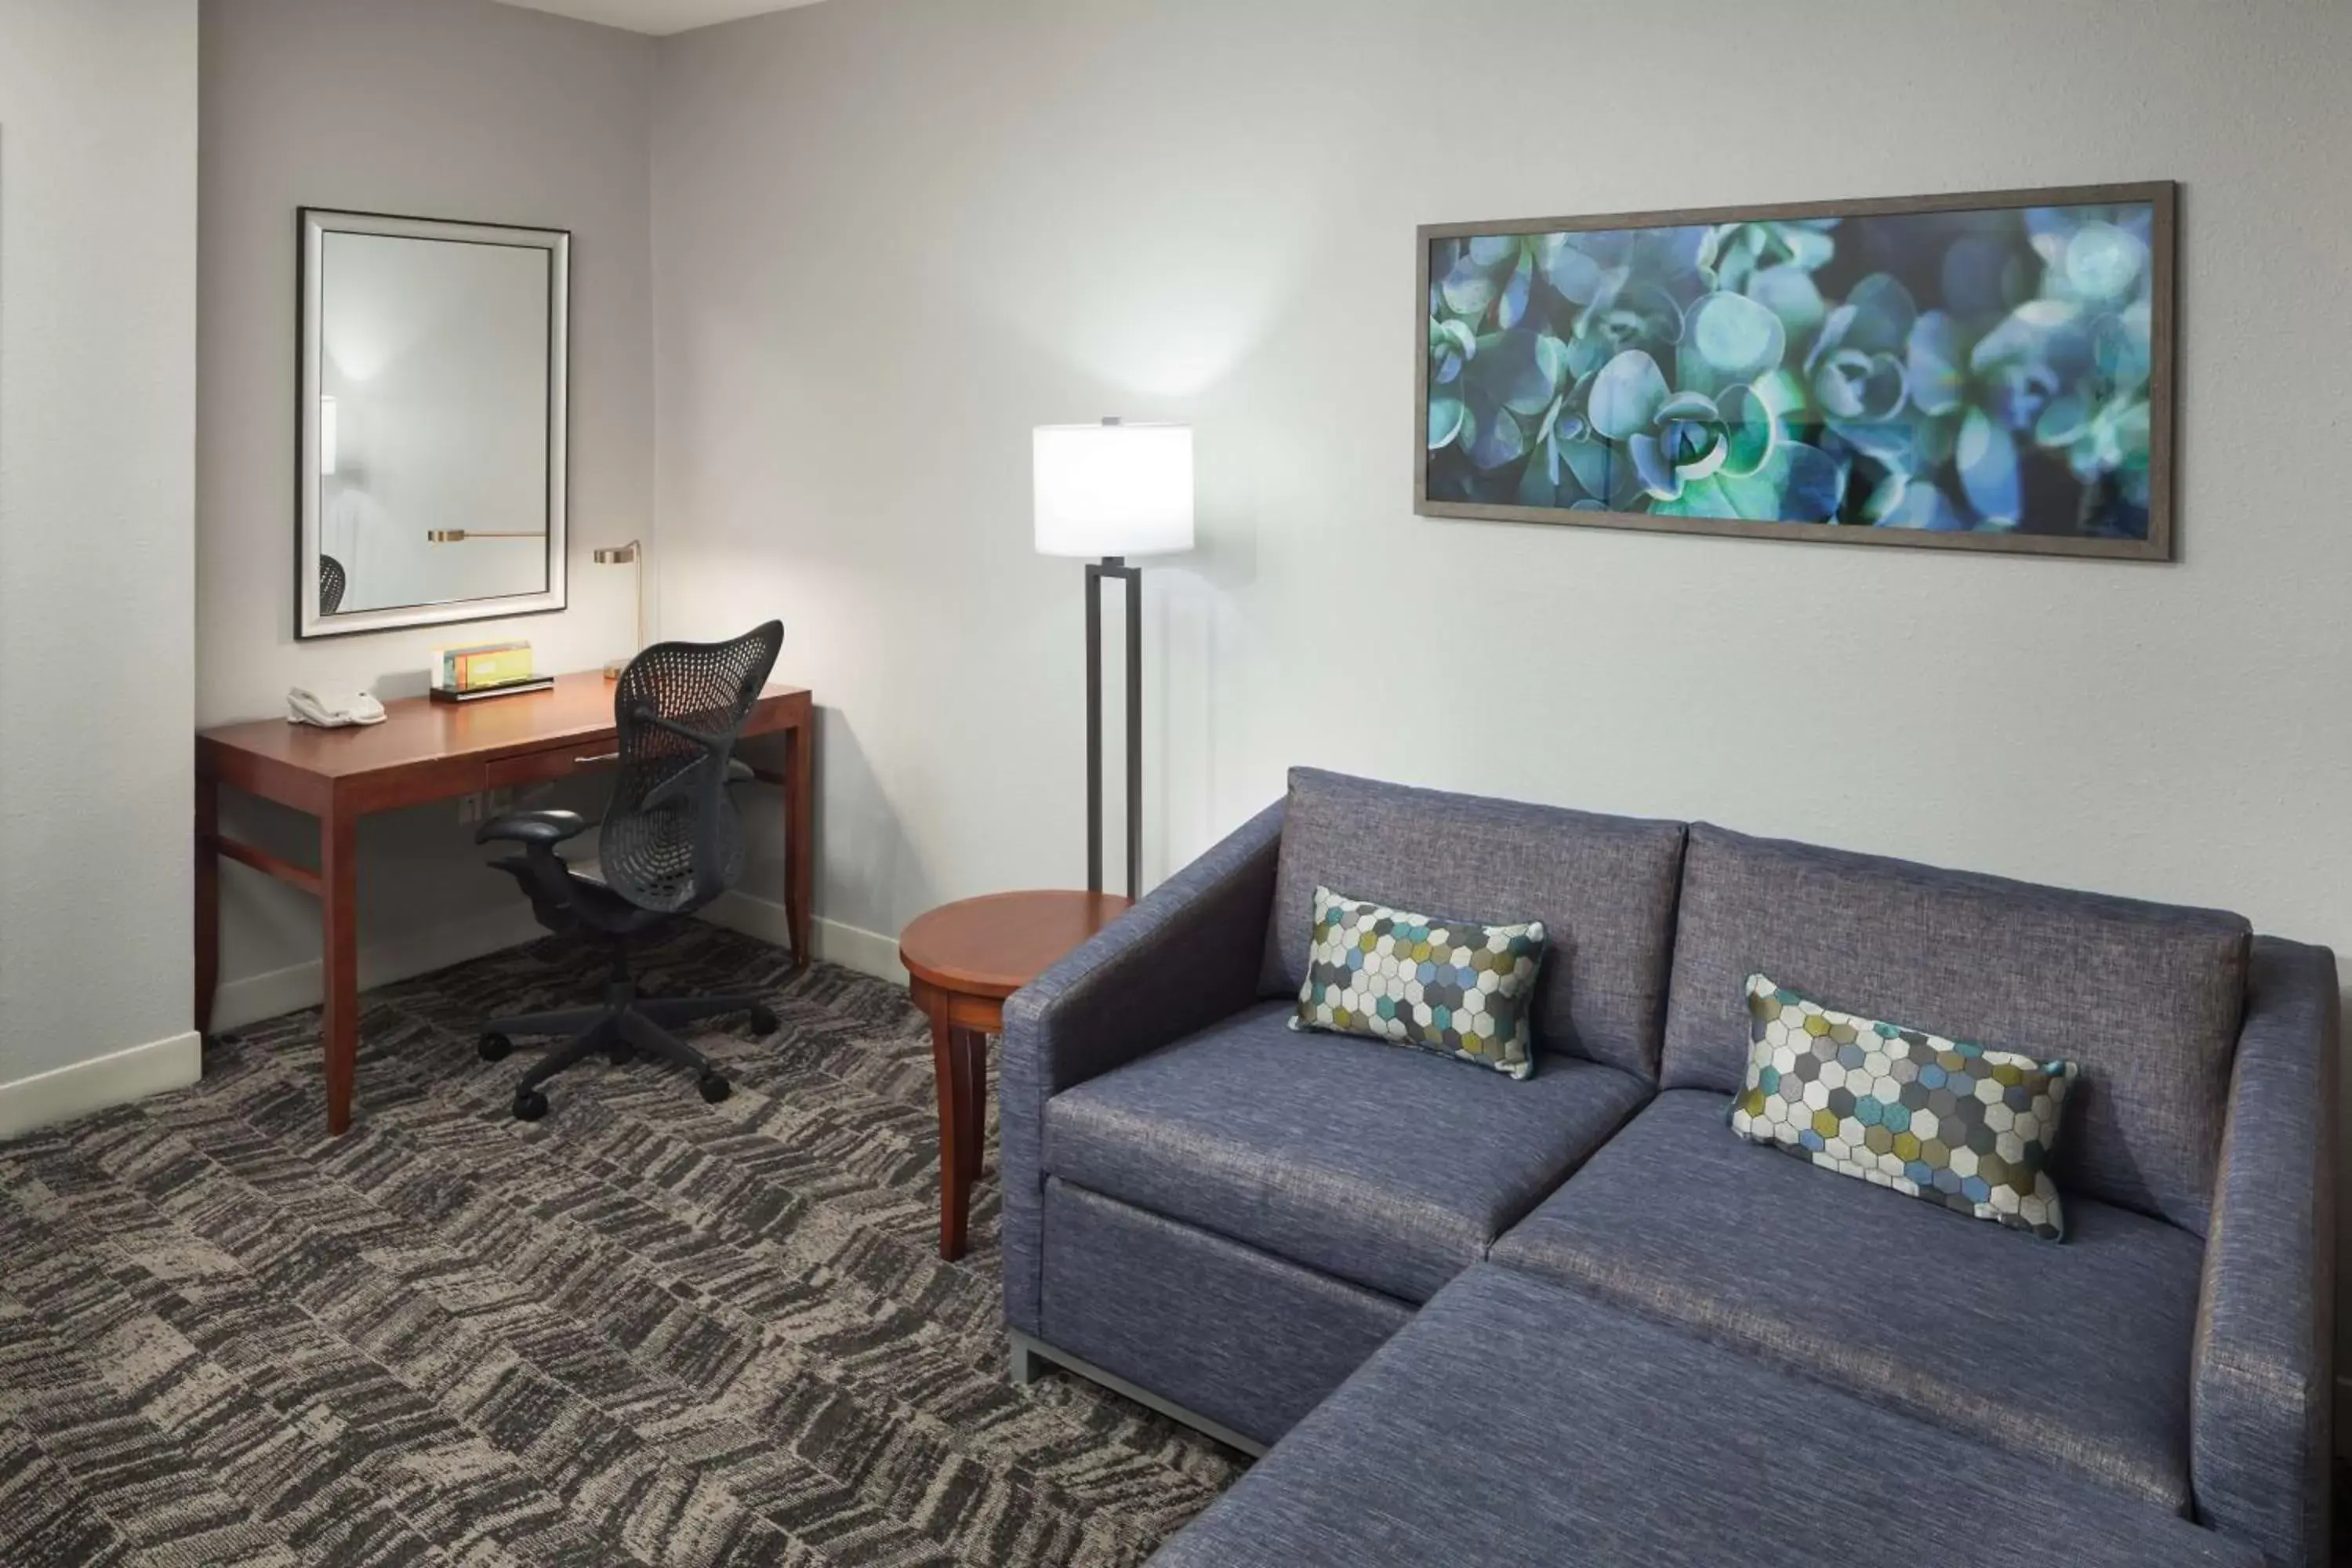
(555, 762)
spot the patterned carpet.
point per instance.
(644, 1330)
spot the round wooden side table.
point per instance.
(963, 961)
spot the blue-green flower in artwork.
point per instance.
(1628, 287)
(1717, 447)
(1773, 263)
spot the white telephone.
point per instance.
(331, 705)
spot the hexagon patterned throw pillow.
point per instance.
(1454, 988)
(1932, 1118)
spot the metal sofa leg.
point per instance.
(1031, 1356)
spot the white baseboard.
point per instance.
(117, 1078)
(251, 997)
(852, 947)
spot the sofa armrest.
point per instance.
(1184, 957)
(2262, 1404)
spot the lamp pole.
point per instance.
(1115, 567)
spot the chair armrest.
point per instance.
(543, 829)
(1186, 956)
(2262, 1400)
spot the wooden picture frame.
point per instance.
(2155, 293)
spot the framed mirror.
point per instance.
(432, 412)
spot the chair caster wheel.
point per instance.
(764, 1021)
(714, 1088)
(494, 1048)
(620, 1055)
(530, 1105)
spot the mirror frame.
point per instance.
(312, 224)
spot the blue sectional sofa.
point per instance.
(1574, 1318)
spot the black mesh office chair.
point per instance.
(671, 844)
(331, 585)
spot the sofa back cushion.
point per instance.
(1602, 885)
(2145, 998)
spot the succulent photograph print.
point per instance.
(1985, 371)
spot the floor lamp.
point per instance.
(1105, 492)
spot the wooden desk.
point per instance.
(426, 751)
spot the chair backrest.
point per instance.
(672, 841)
(331, 585)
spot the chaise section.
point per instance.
(1517, 1422)
(2263, 1397)
(2077, 1353)
(1392, 1169)
(2145, 998)
(1219, 1331)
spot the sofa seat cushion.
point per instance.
(1395, 1169)
(1516, 1422)
(2077, 1353)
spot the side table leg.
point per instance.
(955, 1175)
(975, 1101)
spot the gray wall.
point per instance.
(98, 237)
(893, 235)
(449, 109)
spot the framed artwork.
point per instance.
(1983, 372)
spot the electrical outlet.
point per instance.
(469, 810)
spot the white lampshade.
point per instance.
(1113, 489)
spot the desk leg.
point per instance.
(800, 848)
(955, 1124)
(339, 919)
(208, 900)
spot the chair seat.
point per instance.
(1390, 1168)
(589, 903)
(1517, 1422)
(2075, 1352)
